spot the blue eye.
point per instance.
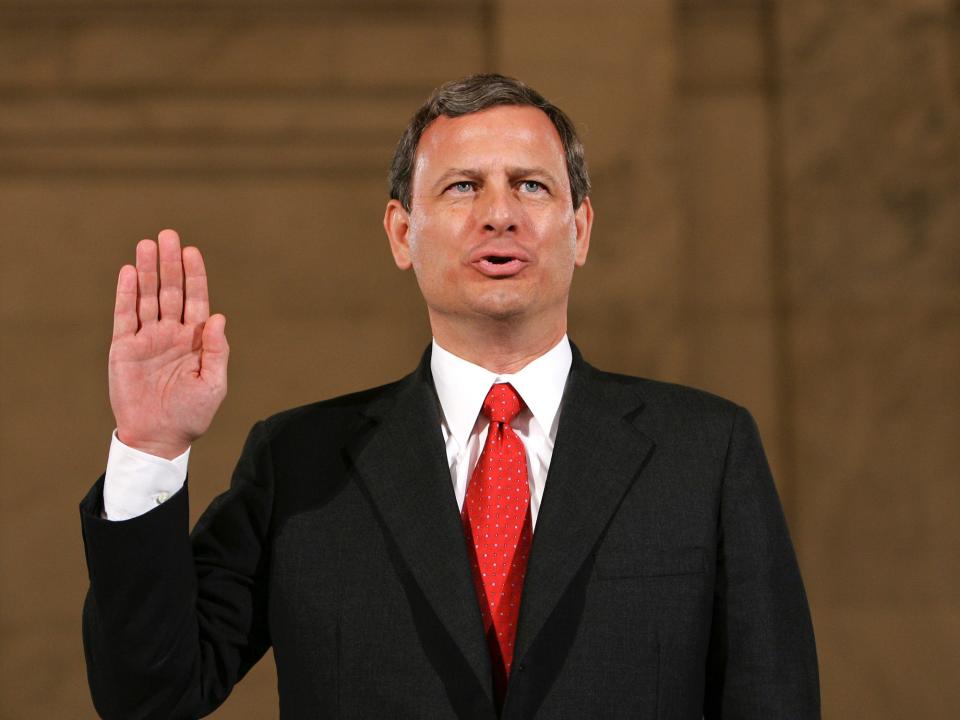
(463, 186)
(531, 186)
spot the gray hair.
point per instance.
(473, 94)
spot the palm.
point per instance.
(168, 358)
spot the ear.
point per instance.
(583, 217)
(396, 222)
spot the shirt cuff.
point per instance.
(137, 482)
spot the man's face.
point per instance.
(491, 231)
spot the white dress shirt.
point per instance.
(136, 482)
(462, 387)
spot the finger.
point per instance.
(147, 281)
(171, 276)
(216, 351)
(196, 302)
(125, 309)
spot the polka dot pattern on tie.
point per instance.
(497, 523)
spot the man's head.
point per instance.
(491, 214)
(471, 95)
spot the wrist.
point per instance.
(165, 450)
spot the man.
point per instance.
(505, 532)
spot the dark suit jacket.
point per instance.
(661, 581)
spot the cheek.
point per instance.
(570, 230)
(563, 242)
(435, 241)
(430, 254)
(414, 232)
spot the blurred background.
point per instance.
(777, 187)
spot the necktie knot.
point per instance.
(502, 403)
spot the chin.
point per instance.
(502, 314)
(502, 306)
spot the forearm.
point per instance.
(171, 621)
(139, 620)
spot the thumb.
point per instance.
(216, 350)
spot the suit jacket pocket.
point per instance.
(649, 561)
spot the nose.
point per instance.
(498, 210)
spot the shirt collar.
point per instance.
(461, 387)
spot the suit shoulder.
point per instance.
(690, 422)
(674, 399)
(341, 411)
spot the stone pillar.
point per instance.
(732, 319)
(871, 165)
(263, 132)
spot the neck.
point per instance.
(500, 346)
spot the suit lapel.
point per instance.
(403, 466)
(596, 458)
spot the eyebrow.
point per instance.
(467, 173)
(513, 173)
(534, 171)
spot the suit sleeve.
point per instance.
(762, 661)
(172, 621)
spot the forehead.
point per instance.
(504, 135)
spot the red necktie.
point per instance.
(496, 520)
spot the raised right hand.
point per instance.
(168, 357)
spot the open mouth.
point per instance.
(499, 266)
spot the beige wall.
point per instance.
(778, 201)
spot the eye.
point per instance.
(462, 186)
(532, 186)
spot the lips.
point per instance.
(499, 262)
